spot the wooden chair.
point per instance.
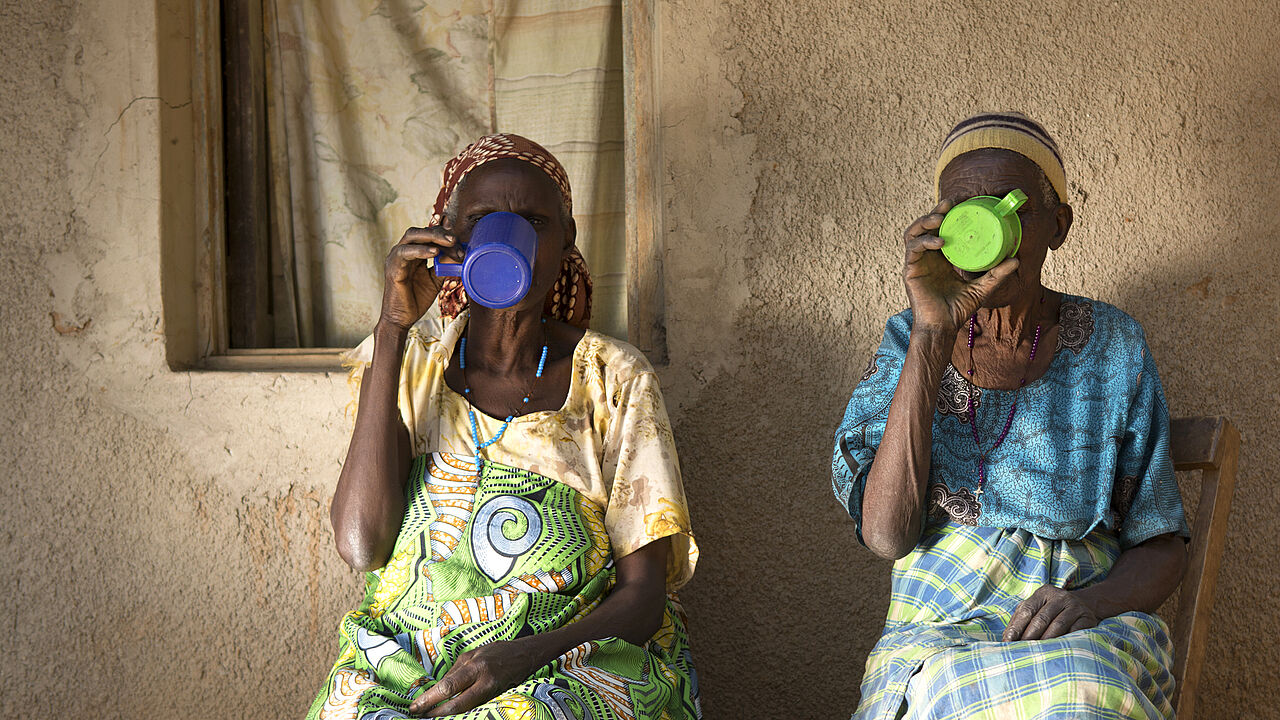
(1212, 446)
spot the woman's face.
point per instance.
(1045, 222)
(511, 185)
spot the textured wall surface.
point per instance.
(164, 534)
(814, 125)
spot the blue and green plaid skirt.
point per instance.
(941, 656)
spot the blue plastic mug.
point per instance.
(497, 266)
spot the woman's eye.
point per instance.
(536, 221)
(473, 219)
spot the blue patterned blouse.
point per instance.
(1088, 447)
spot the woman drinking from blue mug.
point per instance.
(1007, 446)
(511, 487)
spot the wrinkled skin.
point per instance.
(1008, 302)
(503, 347)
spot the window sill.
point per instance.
(277, 359)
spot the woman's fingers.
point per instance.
(1022, 615)
(1063, 623)
(469, 699)
(1084, 622)
(1040, 622)
(924, 224)
(921, 236)
(930, 222)
(403, 258)
(411, 284)
(454, 682)
(993, 279)
(918, 245)
(435, 235)
(1050, 612)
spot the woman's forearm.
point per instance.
(368, 504)
(632, 611)
(1143, 577)
(894, 499)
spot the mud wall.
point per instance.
(164, 534)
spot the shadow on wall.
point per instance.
(778, 597)
(784, 591)
(1209, 308)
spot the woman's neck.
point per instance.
(1014, 323)
(504, 341)
(1000, 355)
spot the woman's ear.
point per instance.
(1063, 217)
(570, 234)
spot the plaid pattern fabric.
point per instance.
(941, 653)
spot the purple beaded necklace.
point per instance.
(973, 424)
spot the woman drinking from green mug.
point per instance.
(1008, 447)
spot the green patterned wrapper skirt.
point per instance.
(487, 553)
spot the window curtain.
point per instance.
(367, 100)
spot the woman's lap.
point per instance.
(435, 600)
(609, 679)
(941, 655)
(1117, 670)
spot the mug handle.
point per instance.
(449, 269)
(1010, 203)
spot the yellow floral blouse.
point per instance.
(611, 441)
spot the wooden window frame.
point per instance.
(646, 327)
(641, 62)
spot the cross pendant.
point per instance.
(979, 493)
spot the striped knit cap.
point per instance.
(1007, 131)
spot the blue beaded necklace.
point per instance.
(466, 391)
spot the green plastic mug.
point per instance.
(981, 232)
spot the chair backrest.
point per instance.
(1212, 446)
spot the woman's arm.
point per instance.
(1143, 577)
(632, 611)
(368, 504)
(893, 501)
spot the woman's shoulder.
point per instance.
(423, 335)
(897, 333)
(1088, 322)
(609, 361)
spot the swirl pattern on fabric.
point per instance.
(1076, 322)
(525, 563)
(955, 393)
(1097, 415)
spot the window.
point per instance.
(327, 135)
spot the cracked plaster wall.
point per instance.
(164, 534)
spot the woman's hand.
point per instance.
(1050, 612)
(632, 611)
(412, 286)
(940, 298)
(478, 676)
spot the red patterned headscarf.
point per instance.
(570, 298)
